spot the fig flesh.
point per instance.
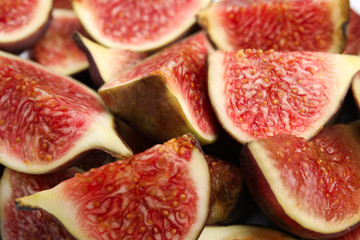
(353, 34)
(47, 119)
(310, 188)
(258, 94)
(57, 48)
(24, 25)
(38, 224)
(165, 95)
(139, 26)
(291, 25)
(161, 193)
(242, 232)
(106, 63)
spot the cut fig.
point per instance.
(161, 193)
(47, 119)
(63, 4)
(258, 94)
(57, 48)
(242, 232)
(355, 87)
(164, 96)
(38, 224)
(353, 34)
(137, 25)
(291, 25)
(23, 23)
(310, 188)
(106, 63)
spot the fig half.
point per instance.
(23, 23)
(137, 25)
(48, 119)
(258, 94)
(310, 188)
(291, 25)
(161, 193)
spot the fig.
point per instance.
(164, 96)
(353, 235)
(106, 63)
(38, 224)
(353, 34)
(291, 25)
(23, 23)
(57, 48)
(139, 26)
(242, 232)
(161, 193)
(309, 188)
(63, 4)
(47, 119)
(258, 94)
(355, 87)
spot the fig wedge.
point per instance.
(23, 23)
(139, 26)
(48, 119)
(164, 96)
(258, 94)
(310, 188)
(161, 193)
(290, 25)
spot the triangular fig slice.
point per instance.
(161, 193)
(47, 119)
(310, 188)
(106, 63)
(137, 25)
(258, 94)
(290, 25)
(57, 48)
(242, 232)
(165, 96)
(23, 23)
(37, 224)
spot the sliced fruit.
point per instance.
(258, 94)
(38, 224)
(57, 49)
(164, 96)
(137, 25)
(353, 34)
(23, 23)
(106, 63)
(47, 119)
(292, 25)
(309, 188)
(242, 232)
(355, 87)
(162, 193)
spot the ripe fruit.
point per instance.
(47, 119)
(353, 34)
(258, 94)
(106, 63)
(242, 232)
(57, 49)
(164, 96)
(38, 224)
(141, 25)
(22, 23)
(292, 25)
(161, 193)
(310, 188)
(355, 87)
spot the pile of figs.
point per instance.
(179, 119)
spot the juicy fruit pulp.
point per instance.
(353, 34)
(22, 23)
(164, 96)
(162, 193)
(309, 25)
(57, 49)
(258, 94)
(38, 224)
(137, 25)
(310, 188)
(47, 119)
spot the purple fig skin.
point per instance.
(266, 200)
